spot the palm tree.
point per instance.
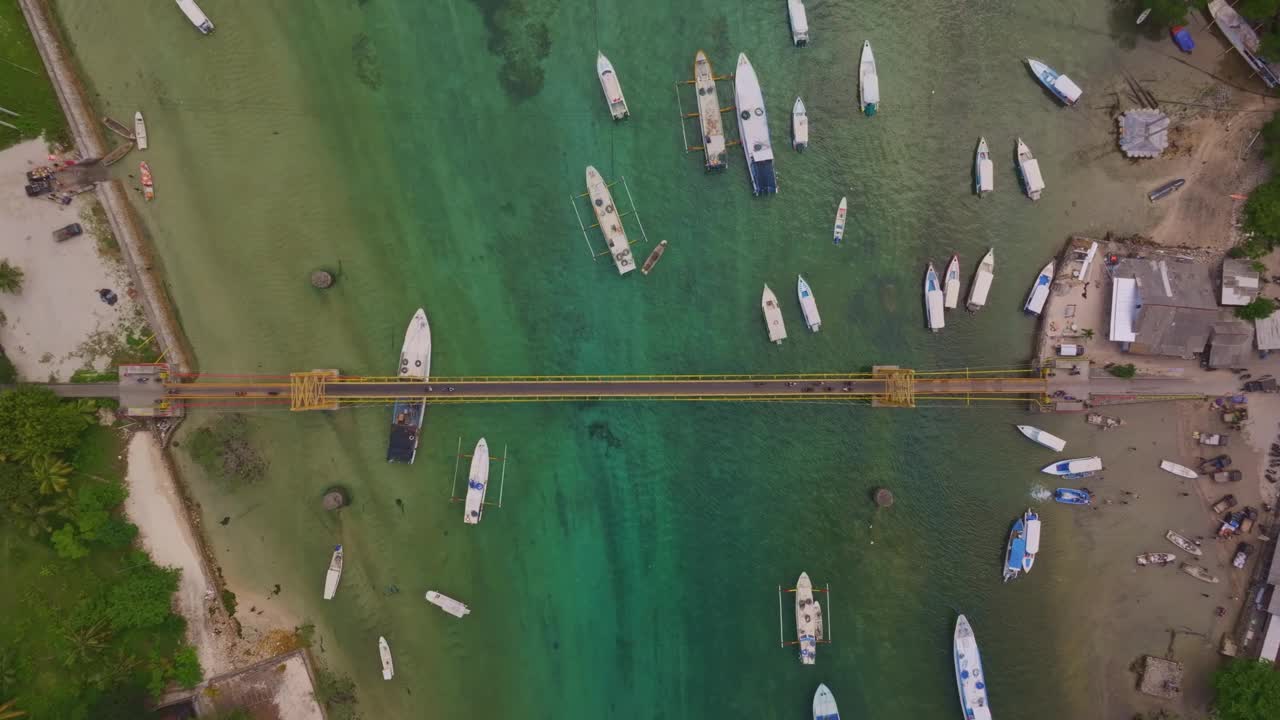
(10, 277)
(8, 713)
(38, 519)
(52, 474)
(1087, 333)
(86, 642)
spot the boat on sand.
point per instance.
(1179, 470)
(1075, 468)
(334, 574)
(1198, 573)
(1183, 543)
(148, 183)
(1038, 436)
(1072, 496)
(1161, 559)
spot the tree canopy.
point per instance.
(34, 423)
(1164, 13)
(1258, 309)
(1247, 690)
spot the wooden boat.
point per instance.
(1106, 422)
(808, 620)
(1160, 559)
(1183, 543)
(117, 154)
(840, 217)
(384, 650)
(981, 284)
(951, 284)
(148, 184)
(868, 81)
(709, 119)
(139, 130)
(799, 126)
(1243, 37)
(1166, 189)
(1179, 470)
(1198, 573)
(334, 574)
(118, 128)
(653, 258)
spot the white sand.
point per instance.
(58, 310)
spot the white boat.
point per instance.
(1183, 543)
(1198, 573)
(773, 316)
(808, 305)
(824, 704)
(1179, 470)
(971, 682)
(196, 16)
(868, 81)
(139, 130)
(448, 604)
(709, 118)
(1142, 16)
(981, 284)
(799, 126)
(799, 23)
(610, 222)
(933, 300)
(753, 128)
(384, 650)
(1055, 82)
(1243, 37)
(1160, 559)
(1074, 468)
(612, 88)
(984, 171)
(1029, 171)
(808, 620)
(840, 216)
(477, 483)
(951, 284)
(1049, 440)
(407, 414)
(1032, 522)
(1040, 290)
(334, 574)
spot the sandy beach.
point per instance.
(57, 323)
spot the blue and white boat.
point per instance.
(753, 128)
(1040, 290)
(824, 704)
(984, 171)
(971, 682)
(1072, 496)
(1055, 82)
(407, 414)
(1074, 469)
(1024, 543)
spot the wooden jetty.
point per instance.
(118, 128)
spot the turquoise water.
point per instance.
(429, 151)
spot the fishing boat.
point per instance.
(1029, 171)
(448, 604)
(753, 128)
(477, 483)
(653, 258)
(799, 126)
(1166, 189)
(971, 682)
(772, 316)
(981, 284)
(1184, 543)
(1159, 559)
(1106, 422)
(1072, 496)
(1179, 470)
(1243, 38)
(951, 284)
(808, 305)
(799, 23)
(868, 81)
(984, 171)
(407, 414)
(1024, 543)
(139, 131)
(933, 300)
(118, 128)
(1074, 469)
(612, 88)
(148, 183)
(1198, 573)
(824, 704)
(1040, 290)
(196, 16)
(709, 118)
(1036, 435)
(1055, 82)
(840, 216)
(610, 222)
(808, 620)
(384, 651)
(334, 574)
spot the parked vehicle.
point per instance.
(1250, 517)
(1213, 439)
(1230, 524)
(1266, 386)
(68, 232)
(1228, 476)
(1243, 551)
(1070, 350)
(1225, 503)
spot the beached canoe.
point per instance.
(1179, 470)
(1160, 559)
(1198, 573)
(1183, 543)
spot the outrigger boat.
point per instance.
(447, 604)
(1040, 290)
(196, 16)
(1029, 171)
(1160, 559)
(477, 483)
(840, 217)
(808, 305)
(709, 119)
(1179, 470)
(773, 316)
(808, 620)
(951, 284)
(1184, 543)
(139, 130)
(1060, 85)
(933, 300)
(868, 81)
(148, 183)
(407, 414)
(612, 88)
(653, 258)
(334, 574)
(971, 682)
(799, 23)
(1072, 496)
(824, 704)
(1198, 573)
(384, 651)
(981, 284)
(610, 222)
(1074, 469)
(1243, 37)
(984, 171)
(1040, 437)
(753, 128)
(799, 126)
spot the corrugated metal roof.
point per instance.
(1271, 639)
(1239, 282)
(1268, 332)
(1124, 305)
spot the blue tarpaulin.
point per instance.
(1182, 38)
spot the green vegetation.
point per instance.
(1123, 371)
(1247, 689)
(1262, 209)
(1258, 309)
(27, 90)
(222, 449)
(10, 277)
(337, 693)
(88, 629)
(8, 373)
(1164, 13)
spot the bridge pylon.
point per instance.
(899, 386)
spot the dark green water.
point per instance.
(430, 150)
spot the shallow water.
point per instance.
(429, 152)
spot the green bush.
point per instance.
(1262, 219)
(1247, 689)
(186, 667)
(34, 423)
(1123, 371)
(223, 450)
(8, 373)
(143, 597)
(1258, 309)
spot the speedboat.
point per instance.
(1183, 543)
(1156, 558)
(196, 16)
(840, 216)
(477, 483)
(1049, 440)
(984, 170)
(1179, 470)
(868, 81)
(773, 323)
(824, 704)
(334, 574)
(611, 87)
(981, 284)
(1060, 85)
(1040, 290)
(1074, 469)
(799, 126)
(447, 604)
(753, 128)
(1029, 171)
(799, 23)
(139, 130)
(1072, 496)
(971, 682)
(933, 300)
(951, 284)
(808, 306)
(384, 651)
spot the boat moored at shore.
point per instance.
(477, 483)
(984, 171)
(148, 182)
(612, 88)
(1072, 496)
(334, 574)
(1157, 559)
(799, 126)
(1040, 437)
(971, 681)
(407, 415)
(1198, 573)
(981, 285)
(1040, 290)
(868, 81)
(709, 119)
(447, 604)
(1179, 470)
(933, 300)
(951, 284)
(610, 222)
(824, 704)
(773, 322)
(196, 16)
(1074, 469)
(1055, 82)
(1184, 543)
(139, 130)
(1243, 38)
(799, 23)
(753, 128)
(841, 212)
(384, 652)
(1029, 171)
(808, 305)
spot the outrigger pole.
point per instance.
(457, 457)
(781, 639)
(573, 202)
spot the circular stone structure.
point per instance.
(335, 498)
(884, 498)
(322, 279)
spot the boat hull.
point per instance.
(610, 222)
(753, 128)
(807, 619)
(407, 415)
(868, 82)
(1072, 496)
(1040, 437)
(1039, 294)
(841, 212)
(971, 682)
(1179, 470)
(773, 321)
(983, 169)
(139, 131)
(799, 23)
(334, 574)
(799, 126)
(384, 653)
(982, 279)
(477, 484)
(612, 88)
(808, 305)
(709, 119)
(934, 302)
(196, 16)
(824, 704)
(951, 284)
(1183, 543)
